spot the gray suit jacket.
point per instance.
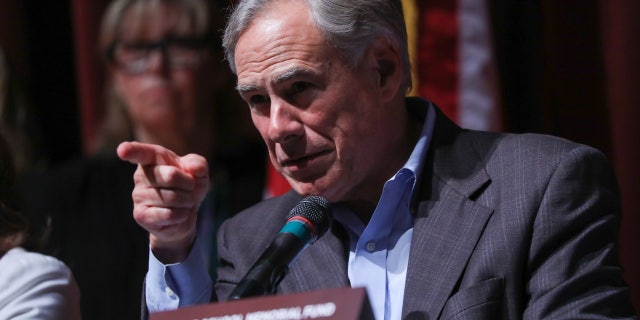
(507, 226)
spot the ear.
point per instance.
(387, 65)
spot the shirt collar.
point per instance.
(412, 168)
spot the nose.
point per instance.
(284, 122)
(157, 61)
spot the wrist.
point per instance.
(171, 252)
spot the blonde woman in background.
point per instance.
(167, 85)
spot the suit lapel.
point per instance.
(445, 234)
(320, 266)
(448, 223)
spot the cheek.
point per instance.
(352, 139)
(185, 84)
(127, 88)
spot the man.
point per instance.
(435, 221)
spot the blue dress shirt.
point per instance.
(379, 251)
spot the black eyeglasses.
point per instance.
(179, 53)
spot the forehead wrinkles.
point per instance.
(280, 55)
(275, 49)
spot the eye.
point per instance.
(259, 104)
(299, 86)
(300, 93)
(258, 99)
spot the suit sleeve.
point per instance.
(573, 269)
(226, 265)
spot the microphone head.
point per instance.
(317, 211)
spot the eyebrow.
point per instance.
(244, 88)
(289, 74)
(280, 78)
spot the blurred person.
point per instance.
(168, 86)
(18, 120)
(34, 286)
(435, 221)
(21, 132)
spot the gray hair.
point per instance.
(348, 25)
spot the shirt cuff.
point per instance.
(169, 286)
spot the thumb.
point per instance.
(195, 165)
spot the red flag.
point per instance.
(275, 184)
(456, 62)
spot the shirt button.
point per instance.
(169, 292)
(371, 246)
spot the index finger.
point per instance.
(147, 154)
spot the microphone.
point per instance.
(309, 220)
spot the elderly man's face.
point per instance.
(325, 124)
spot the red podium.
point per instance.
(339, 303)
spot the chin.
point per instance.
(306, 189)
